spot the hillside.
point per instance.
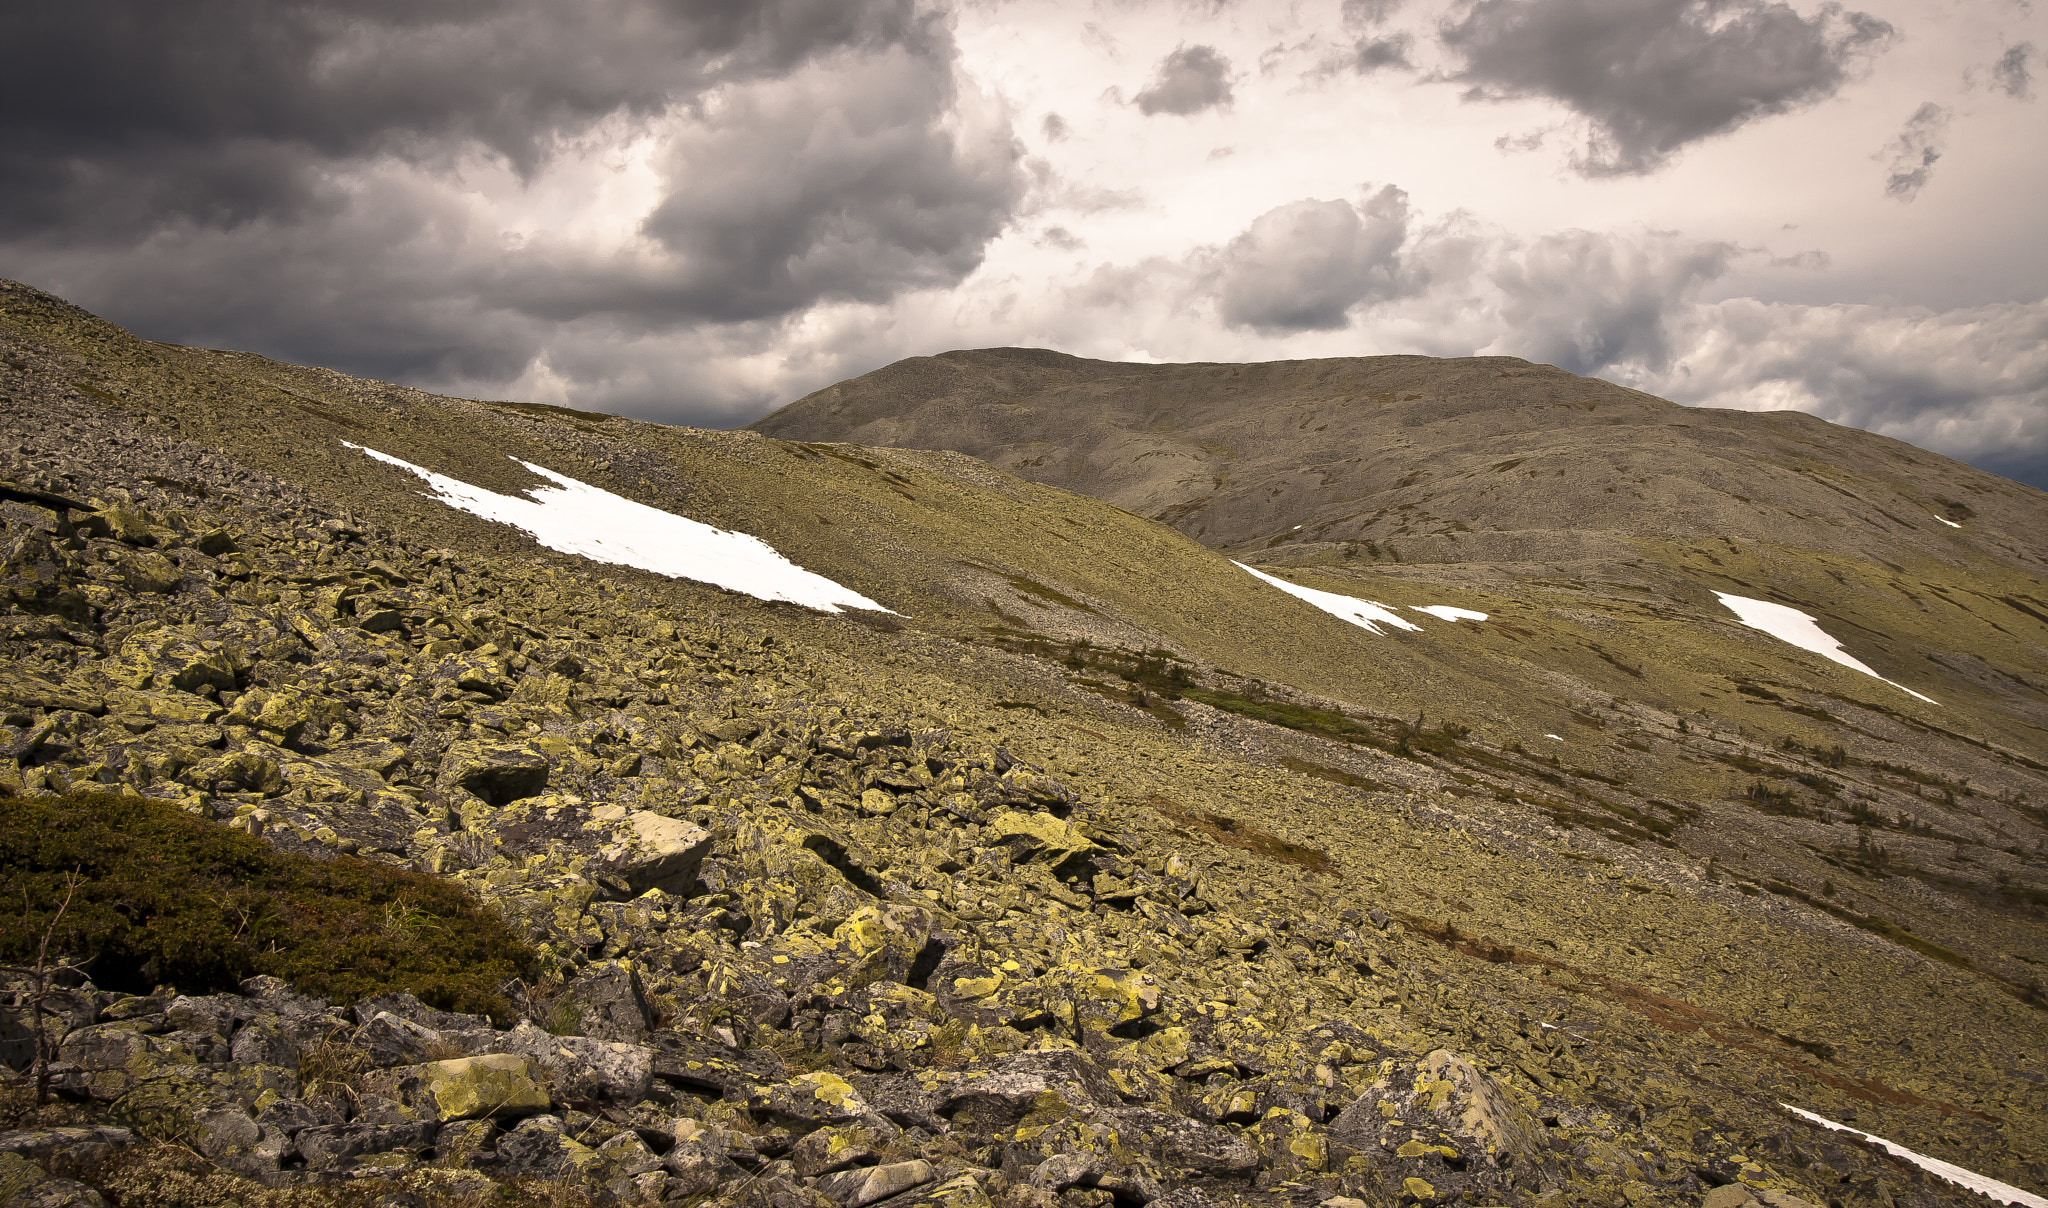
(1095, 870)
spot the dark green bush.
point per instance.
(167, 898)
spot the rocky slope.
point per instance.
(908, 911)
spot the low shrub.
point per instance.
(168, 898)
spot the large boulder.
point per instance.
(496, 772)
(643, 850)
(494, 1086)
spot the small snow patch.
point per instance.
(1793, 626)
(1444, 612)
(1364, 613)
(580, 519)
(2003, 1193)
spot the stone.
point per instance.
(828, 1149)
(238, 1144)
(497, 772)
(388, 1040)
(579, 1067)
(67, 1144)
(336, 1147)
(819, 1098)
(857, 1188)
(493, 1085)
(23, 1184)
(608, 1003)
(648, 851)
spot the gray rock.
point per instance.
(388, 1040)
(579, 1067)
(609, 1003)
(335, 1147)
(238, 1144)
(830, 1149)
(856, 1188)
(65, 1144)
(645, 850)
(23, 1184)
(412, 1010)
(289, 1116)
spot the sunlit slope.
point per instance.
(963, 549)
(950, 544)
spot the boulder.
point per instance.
(23, 1184)
(582, 1068)
(496, 772)
(494, 1085)
(819, 1098)
(644, 850)
(337, 1147)
(856, 1188)
(238, 1144)
(608, 1003)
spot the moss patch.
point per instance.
(165, 897)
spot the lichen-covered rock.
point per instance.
(581, 1068)
(859, 1188)
(497, 772)
(494, 1086)
(23, 1184)
(237, 1143)
(812, 1099)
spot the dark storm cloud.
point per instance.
(1651, 76)
(1376, 54)
(827, 185)
(1189, 80)
(1910, 157)
(1304, 265)
(2011, 74)
(300, 177)
(115, 114)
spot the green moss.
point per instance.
(164, 897)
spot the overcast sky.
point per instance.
(695, 212)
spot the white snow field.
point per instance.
(1359, 612)
(1444, 612)
(2003, 1193)
(1793, 626)
(580, 519)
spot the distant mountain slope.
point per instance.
(1409, 458)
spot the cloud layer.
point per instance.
(696, 212)
(1650, 76)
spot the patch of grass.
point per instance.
(548, 410)
(1333, 775)
(168, 898)
(1232, 833)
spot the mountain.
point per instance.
(1086, 866)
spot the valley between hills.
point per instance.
(1089, 870)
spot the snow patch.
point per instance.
(2003, 1193)
(580, 519)
(1365, 613)
(1444, 612)
(1793, 626)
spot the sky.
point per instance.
(694, 212)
